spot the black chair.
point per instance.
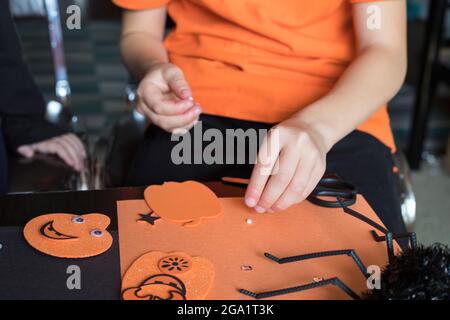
(431, 74)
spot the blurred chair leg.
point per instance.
(407, 197)
(427, 83)
(62, 87)
(59, 111)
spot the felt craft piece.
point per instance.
(236, 181)
(236, 248)
(186, 203)
(68, 235)
(168, 276)
(148, 218)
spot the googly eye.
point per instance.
(78, 219)
(97, 233)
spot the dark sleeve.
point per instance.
(22, 107)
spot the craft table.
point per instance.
(28, 274)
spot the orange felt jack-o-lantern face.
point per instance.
(186, 203)
(69, 236)
(168, 276)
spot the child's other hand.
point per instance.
(291, 162)
(165, 98)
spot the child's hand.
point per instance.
(166, 99)
(291, 162)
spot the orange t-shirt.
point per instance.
(262, 60)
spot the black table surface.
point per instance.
(28, 274)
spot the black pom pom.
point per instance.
(421, 273)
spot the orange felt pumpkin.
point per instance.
(168, 276)
(68, 235)
(186, 203)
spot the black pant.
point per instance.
(359, 159)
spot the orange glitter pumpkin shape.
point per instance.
(186, 203)
(168, 276)
(68, 235)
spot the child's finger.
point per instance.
(171, 108)
(162, 105)
(178, 84)
(267, 158)
(186, 128)
(277, 184)
(314, 180)
(171, 123)
(295, 191)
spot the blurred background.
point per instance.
(95, 98)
